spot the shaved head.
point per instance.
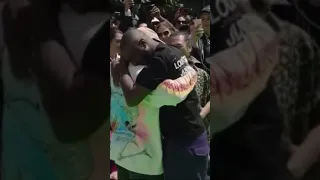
(131, 37)
(135, 46)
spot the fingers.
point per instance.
(155, 10)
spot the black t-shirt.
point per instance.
(250, 148)
(183, 119)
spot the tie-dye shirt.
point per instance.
(136, 138)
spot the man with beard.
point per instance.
(56, 86)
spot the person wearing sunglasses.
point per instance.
(180, 22)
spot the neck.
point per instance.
(153, 45)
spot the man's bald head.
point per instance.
(136, 46)
(132, 37)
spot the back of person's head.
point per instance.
(136, 46)
(142, 24)
(150, 33)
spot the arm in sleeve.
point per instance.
(148, 80)
(127, 20)
(171, 92)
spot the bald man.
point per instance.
(185, 142)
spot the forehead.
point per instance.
(162, 29)
(178, 39)
(205, 15)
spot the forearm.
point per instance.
(127, 84)
(127, 20)
(306, 155)
(205, 110)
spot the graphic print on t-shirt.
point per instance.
(241, 65)
(136, 131)
(128, 125)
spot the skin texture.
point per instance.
(141, 48)
(306, 154)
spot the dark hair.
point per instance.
(113, 32)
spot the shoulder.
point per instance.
(166, 52)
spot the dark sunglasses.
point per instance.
(181, 22)
(166, 33)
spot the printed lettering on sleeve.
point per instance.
(181, 65)
(225, 26)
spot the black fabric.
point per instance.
(251, 148)
(223, 27)
(95, 60)
(79, 105)
(196, 53)
(124, 174)
(95, 57)
(176, 121)
(291, 14)
(206, 51)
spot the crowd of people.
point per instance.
(160, 95)
(257, 61)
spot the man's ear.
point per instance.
(142, 43)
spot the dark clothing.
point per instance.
(185, 140)
(251, 148)
(186, 162)
(291, 14)
(124, 174)
(127, 22)
(167, 64)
